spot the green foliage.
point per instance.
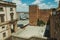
(40, 22)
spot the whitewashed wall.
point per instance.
(6, 11)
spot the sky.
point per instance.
(23, 5)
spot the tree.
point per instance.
(40, 22)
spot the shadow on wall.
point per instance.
(47, 31)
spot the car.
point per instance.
(20, 25)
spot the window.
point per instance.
(4, 34)
(54, 13)
(11, 9)
(11, 14)
(2, 18)
(3, 27)
(1, 9)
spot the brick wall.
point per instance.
(44, 14)
(35, 13)
(54, 27)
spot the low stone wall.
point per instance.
(10, 38)
(33, 38)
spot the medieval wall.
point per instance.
(35, 13)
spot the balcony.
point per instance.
(8, 22)
(12, 21)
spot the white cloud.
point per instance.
(20, 6)
(37, 2)
(44, 5)
(56, 0)
(49, 2)
(24, 7)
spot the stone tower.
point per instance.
(33, 11)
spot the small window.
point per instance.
(54, 13)
(2, 18)
(1, 9)
(4, 34)
(3, 27)
(11, 9)
(11, 15)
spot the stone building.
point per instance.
(55, 23)
(8, 19)
(35, 13)
(23, 15)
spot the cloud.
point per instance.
(20, 6)
(44, 5)
(56, 0)
(37, 1)
(24, 7)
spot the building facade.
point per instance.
(36, 14)
(55, 23)
(8, 19)
(33, 11)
